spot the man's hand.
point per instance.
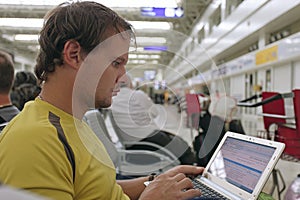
(173, 184)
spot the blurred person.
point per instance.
(166, 97)
(48, 149)
(7, 110)
(217, 119)
(25, 88)
(142, 120)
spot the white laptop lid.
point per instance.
(242, 164)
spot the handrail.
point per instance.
(267, 100)
(251, 98)
(276, 116)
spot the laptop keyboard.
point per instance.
(207, 192)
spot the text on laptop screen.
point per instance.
(241, 163)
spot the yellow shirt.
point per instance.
(33, 157)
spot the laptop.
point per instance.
(240, 167)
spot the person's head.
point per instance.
(6, 72)
(71, 32)
(224, 107)
(25, 88)
(22, 77)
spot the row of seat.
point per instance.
(130, 162)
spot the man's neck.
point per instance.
(58, 90)
(62, 99)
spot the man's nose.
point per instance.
(123, 78)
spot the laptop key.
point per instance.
(207, 192)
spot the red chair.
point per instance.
(274, 113)
(289, 133)
(297, 109)
(193, 111)
(192, 106)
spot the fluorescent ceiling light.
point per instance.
(137, 61)
(26, 37)
(151, 25)
(155, 56)
(160, 40)
(34, 48)
(138, 3)
(132, 56)
(32, 2)
(38, 23)
(22, 22)
(109, 3)
(143, 56)
(133, 49)
(8, 37)
(139, 49)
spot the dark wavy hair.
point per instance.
(25, 88)
(6, 72)
(85, 22)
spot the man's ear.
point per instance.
(72, 56)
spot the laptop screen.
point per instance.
(241, 163)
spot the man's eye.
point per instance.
(116, 63)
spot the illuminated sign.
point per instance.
(162, 12)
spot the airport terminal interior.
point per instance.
(236, 59)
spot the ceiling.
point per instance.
(193, 10)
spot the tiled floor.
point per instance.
(176, 123)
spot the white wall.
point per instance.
(237, 89)
(282, 78)
(296, 75)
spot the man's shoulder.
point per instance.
(32, 118)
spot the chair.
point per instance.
(287, 132)
(128, 162)
(142, 144)
(273, 107)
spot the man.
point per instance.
(7, 110)
(142, 120)
(47, 148)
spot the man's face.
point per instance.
(102, 71)
(108, 85)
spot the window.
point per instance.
(268, 85)
(231, 5)
(201, 35)
(215, 19)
